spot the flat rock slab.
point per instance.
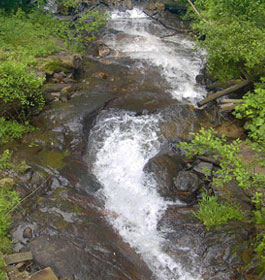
(18, 257)
(45, 274)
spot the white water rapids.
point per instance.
(121, 143)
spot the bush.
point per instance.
(19, 91)
(253, 110)
(234, 38)
(211, 213)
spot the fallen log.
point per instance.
(229, 105)
(225, 84)
(18, 257)
(223, 92)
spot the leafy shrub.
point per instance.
(231, 165)
(12, 130)
(234, 38)
(20, 90)
(253, 110)
(211, 213)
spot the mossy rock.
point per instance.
(56, 66)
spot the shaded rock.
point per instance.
(164, 168)
(186, 185)
(235, 194)
(231, 129)
(204, 168)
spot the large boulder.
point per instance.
(164, 168)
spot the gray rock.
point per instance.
(204, 168)
(186, 185)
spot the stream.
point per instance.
(122, 142)
(112, 196)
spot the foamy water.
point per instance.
(122, 143)
(175, 56)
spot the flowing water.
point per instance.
(122, 142)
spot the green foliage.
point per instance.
(253, 110)
(231, 165)
(5, 162)
(21, 88)
(235, 37)
(212, 213)
(12, 130)
(83, 30)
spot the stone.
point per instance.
(103, 51)
(129, 4)
(204, 168)
(44, 274)
(27, 233)
(164, 168)
(18, 257)
(186, 185)
(66, 90)
(7, 182)
(100, 75)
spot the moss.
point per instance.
(56, 65)
(52, 158)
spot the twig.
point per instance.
(196, 11)
(29, 195)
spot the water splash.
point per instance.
(175, 56)
(120, 144)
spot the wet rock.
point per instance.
(164, 168)
(217, 252)
(179, 120)
(204, 168)
(141, 101)
(102, 51)
(186, 185)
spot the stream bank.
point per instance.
(67, 217)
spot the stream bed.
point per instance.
(109, 207)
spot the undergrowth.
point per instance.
(212, 213)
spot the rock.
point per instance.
(64, 61)
(204, 168)
(44, 274)
(18, 257)
(235, 194)
(27, 233)
(186, 185)
(102, 51)
(231, 129)
(129, 4)
(66, 90)
(7, 182)
(164, 168)
(100, 75)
